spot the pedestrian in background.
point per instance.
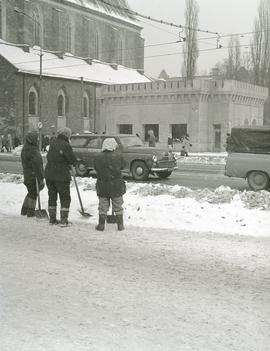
(186, 144)
(151, 138)
(170, 142)
(229, 143)
(32, 171)
(60, 159)
(110, 185)
(17, 141)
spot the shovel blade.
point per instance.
(85, 214)
(41, 214)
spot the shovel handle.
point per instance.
(37, 186)
(77, 189)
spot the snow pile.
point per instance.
(221, 195)
(147, 205)
(11, 178)
(211, 160)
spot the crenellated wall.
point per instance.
(204, 105)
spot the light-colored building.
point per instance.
(206, 109)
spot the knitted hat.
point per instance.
(109, 144)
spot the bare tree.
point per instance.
(260, 45)
(190, 49)
(234, 58)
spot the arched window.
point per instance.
(61, 104)
(68, 37)
(85, 105)
(246, 123)
(37, 27)
(33, 102)
(254, 122)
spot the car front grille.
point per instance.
(166, 164)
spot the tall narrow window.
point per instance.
(61, 102)
(120, 52)
(85, 36)
(32, 102)
(85, 105)
(0, 19)
(37, 27)
(56, 28)
(68, 37)
(97, 46)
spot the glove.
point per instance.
(41, 185)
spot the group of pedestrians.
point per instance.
(110, 185)
(8, 143)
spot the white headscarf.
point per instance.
(109, 144)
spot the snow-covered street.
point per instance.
(190, 272)
(142, 289)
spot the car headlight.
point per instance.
(154, 158)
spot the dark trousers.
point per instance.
(32, 190)
(61, 188)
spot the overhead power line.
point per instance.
(157, 20)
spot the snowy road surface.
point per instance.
(75, 289)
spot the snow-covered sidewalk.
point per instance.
(76, 289)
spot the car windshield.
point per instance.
(129, 141)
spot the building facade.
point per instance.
(206, 109)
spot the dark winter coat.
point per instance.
(110, 182)
(59, 160)
(31, 160)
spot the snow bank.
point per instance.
(223, 210)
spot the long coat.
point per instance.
(110, 182)
(32, 162)
(59, 159)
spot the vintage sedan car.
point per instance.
(140, 160)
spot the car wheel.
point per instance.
(164, 174)
(81, 169)
(139, 170)
(258, 180)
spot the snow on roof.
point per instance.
(68, 67)
(115, 8)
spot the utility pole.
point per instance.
(40, 125)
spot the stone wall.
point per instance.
(209, 109)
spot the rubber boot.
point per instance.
(120, 222)
(31, 208)
(64, 218)
(101, 223)
(25, 206)
(52, 214)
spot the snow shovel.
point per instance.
(111, 218)
(82, 212)
(39, 213)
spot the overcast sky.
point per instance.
(222, 16)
